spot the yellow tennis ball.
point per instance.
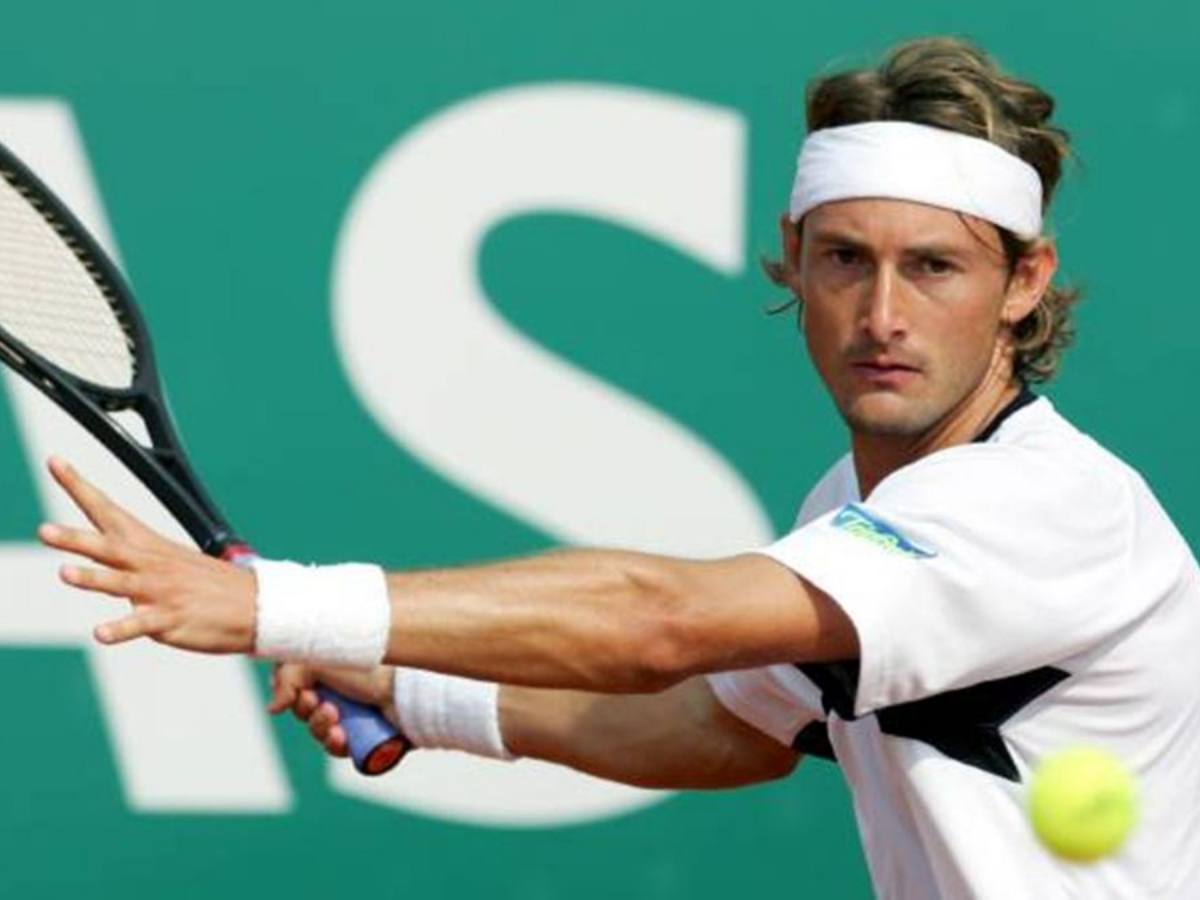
(1083, 803)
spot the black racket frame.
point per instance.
(163, 467)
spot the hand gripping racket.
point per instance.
(69, 326)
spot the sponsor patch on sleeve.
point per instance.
(855, 520)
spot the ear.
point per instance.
(1030, 281)
(789, 238)
(790, 247)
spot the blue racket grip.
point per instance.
(376, 745)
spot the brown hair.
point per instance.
(952, 84)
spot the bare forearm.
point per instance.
(582, 619)
(679, 738)
(609, 621)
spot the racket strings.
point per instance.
(76, 246)
(54, 297)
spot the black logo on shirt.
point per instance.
(963, 724)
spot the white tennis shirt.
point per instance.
(1015, 596)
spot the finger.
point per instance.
(101, 510)
(336, 743)
(94, 503)
(283, 696)
(325, 717)
(94, 546)
(103, 581)
(298, 675)
(306, 704)
(287, 681)
(140, 624)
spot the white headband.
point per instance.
(906, 161)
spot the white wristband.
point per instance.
(336, 615)
(450, 713)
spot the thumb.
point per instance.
(287, 681)
(370, 686)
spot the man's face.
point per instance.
(903, 308)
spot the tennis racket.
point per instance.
(69, 326)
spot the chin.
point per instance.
(887, 415)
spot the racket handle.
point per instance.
(376, 745)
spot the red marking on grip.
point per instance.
(385, 756)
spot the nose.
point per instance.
(881, 315)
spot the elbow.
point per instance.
(772, 765)
(785, 764)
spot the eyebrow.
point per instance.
(837, 237)
(935, 250)
(932, 248)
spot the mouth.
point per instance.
(885, 372)
(882, 365)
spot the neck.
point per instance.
(877, 455)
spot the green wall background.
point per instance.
(227, 139)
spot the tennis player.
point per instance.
(975, 585)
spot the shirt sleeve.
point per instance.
(971, 565)
(780, 700)
(777, 700)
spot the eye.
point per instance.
(845, 256)
(935, 265)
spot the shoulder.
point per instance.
(1035, 461)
